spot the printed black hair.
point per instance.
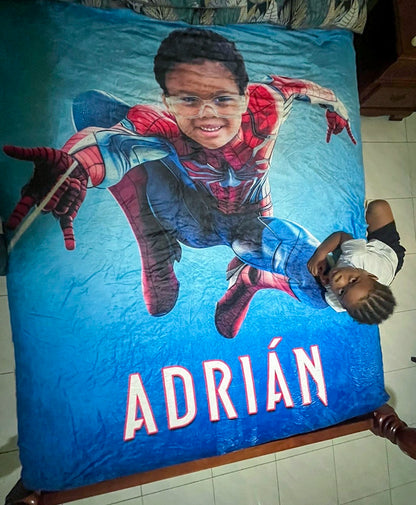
(196, 45)
(376, 307)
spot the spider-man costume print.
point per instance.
(174, 191)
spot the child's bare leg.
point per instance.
(378, 214)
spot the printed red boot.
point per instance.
(245, 281)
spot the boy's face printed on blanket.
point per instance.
(219, 109)
(350, 285)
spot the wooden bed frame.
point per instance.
(383, 422)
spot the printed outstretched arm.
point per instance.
(109, 153)
(50, 165)
(299, 89)
(95, 156)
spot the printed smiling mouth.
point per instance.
(210, 128)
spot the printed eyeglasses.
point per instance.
(194, 106)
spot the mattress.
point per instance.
(130, 359)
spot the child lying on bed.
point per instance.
(359, 281)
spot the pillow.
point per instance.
(348, 14)
(296, 14)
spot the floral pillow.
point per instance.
(296, 14)
(350, 14)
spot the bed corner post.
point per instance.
(19, 495)
(387, 424)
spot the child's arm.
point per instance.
(315, 264)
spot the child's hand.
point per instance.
(50, 165)
(318, 268)
(317, 264)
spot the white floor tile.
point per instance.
(402, 468)
(138, 500)
(350, 438)
(9, 473)
(375, 499)
(404, 285)
(412, 166)
(401, 386)
(200, 493)
(162, 485)
(380, 129)
(410, 123)
(308, 478)
(241, 465)
(110, 498)
(361, 467)
(398, 340)
(8, 423)
(247, 487)
(6, 345)
(403, 495)
(414, 211)
(303, 449)
(133, 501)
(403, 215)
(3, 286)
(387, 173)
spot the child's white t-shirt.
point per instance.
(374, 256)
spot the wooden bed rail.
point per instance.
(383, 422)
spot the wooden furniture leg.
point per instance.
(387, 424)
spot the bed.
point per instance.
(152, 347)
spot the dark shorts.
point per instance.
(390, 236)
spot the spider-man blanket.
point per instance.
(180, 320)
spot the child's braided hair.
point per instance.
(376, 307)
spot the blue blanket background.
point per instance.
(80, 327)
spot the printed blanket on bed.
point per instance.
(180, 321)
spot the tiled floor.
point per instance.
(360, 469)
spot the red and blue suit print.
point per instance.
(175, 191)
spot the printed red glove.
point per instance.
(50, 164)
(336, 124)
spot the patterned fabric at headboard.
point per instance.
(295, 14)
